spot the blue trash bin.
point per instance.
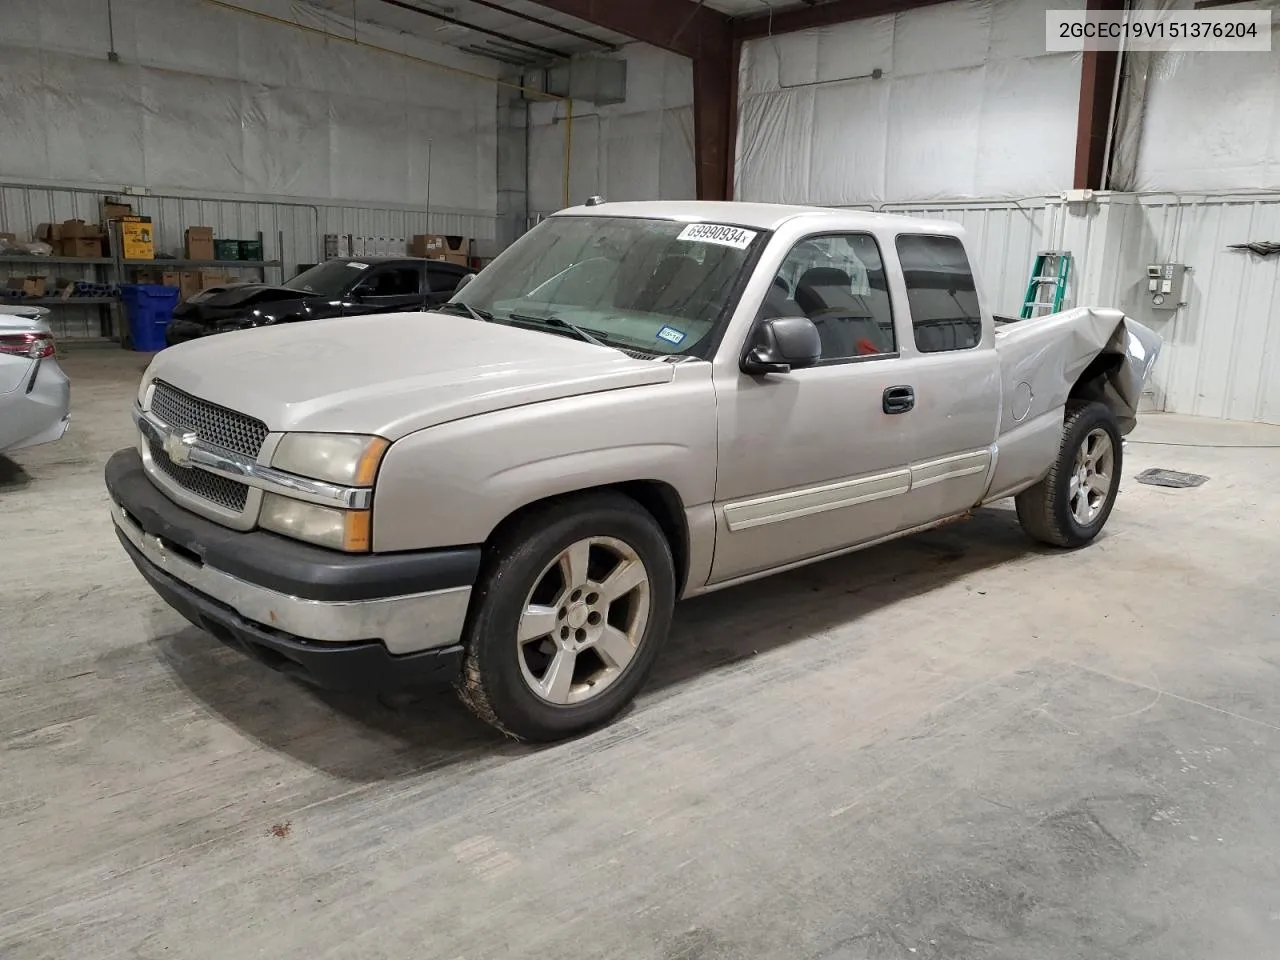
(149, 307)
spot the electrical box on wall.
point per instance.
(1165, 283)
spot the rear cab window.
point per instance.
(941, 293)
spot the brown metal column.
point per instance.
(1097, 79)
(714, 104)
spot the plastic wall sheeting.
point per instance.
(1210, 121)
(210, 100)
(968, 105)
(641, 149)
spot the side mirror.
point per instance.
(782, 345)
(466, 278)
(360, 291)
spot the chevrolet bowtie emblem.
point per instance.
(177, 446)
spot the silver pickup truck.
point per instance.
(635, 403)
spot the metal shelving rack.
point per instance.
(104, 270)
(116, 270)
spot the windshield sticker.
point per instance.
(355, 265)
(717, 233)
(671, 335)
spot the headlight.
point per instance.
(344, 458)
(326, 526)
(349, 460)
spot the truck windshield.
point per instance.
(329, 279)
(653, 286)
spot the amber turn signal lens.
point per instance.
(357, 531)
(367, 468)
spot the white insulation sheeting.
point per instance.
(1211, 120)
(968, 105)
(641, 149)
(210, 100)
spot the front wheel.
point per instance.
(1070, 506)
(574, 603)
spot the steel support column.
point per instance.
(1097, 80)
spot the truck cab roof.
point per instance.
(761, 216)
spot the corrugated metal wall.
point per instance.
(1222, 350)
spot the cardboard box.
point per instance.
(81, 246)
(9, 237)
(34, 286)
(212, 278)
(438, 246)
(188, 284)
(199, 243)
(136, 241)
(427, 245)
(115, 210)
(74, 229)
(171, 278)
(50, 233)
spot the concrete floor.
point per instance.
(960, 746)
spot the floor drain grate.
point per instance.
(1159, 477)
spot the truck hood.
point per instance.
(392, 374)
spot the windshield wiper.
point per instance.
(554, 321)
(474, 312)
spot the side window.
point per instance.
(442, 279)
(940, 292)
(838, 282)
(402, 281)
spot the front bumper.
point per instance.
(372, 622)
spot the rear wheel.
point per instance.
(1070, 506)
(571, 611)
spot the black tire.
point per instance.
(493, 684)
(1045, 509)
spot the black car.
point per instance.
(335, 288)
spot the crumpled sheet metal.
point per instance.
(1051, 352)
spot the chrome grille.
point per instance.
(211, 423)
(230, 494)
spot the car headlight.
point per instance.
(347, 530)
(348, 459)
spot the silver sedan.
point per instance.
(35, 395)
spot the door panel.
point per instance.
(809, 464)
(816, 460)
(956, 376)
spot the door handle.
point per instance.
(899, 399)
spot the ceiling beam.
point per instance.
(530, 18)
(823, 15)
(455, 22)
(685, 27)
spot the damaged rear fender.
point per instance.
(1089, 353)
